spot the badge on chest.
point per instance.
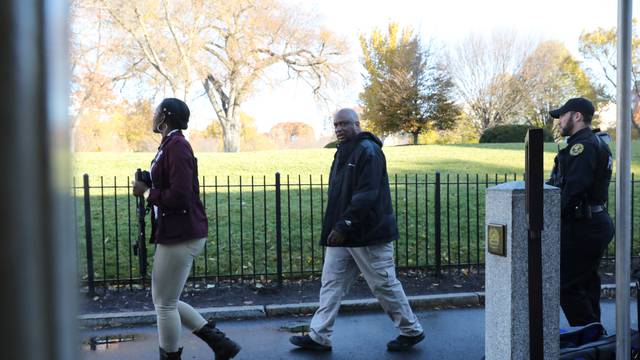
(576, 149)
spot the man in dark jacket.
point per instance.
(359, 229)
(583, 171)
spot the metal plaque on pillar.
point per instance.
(496, 239)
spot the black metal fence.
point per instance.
(267, 229)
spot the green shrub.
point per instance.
(510, 134)
(612, 132)
(332, 145)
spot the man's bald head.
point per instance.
(347, 124)
(347, 114)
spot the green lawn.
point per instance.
(454, 159)
(242, 237)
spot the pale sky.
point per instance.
(444, 22)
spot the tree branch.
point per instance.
(150, 54)
(183, 56)
(148, 48)
(223, 98)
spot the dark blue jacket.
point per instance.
(583, 171)
(359, 199)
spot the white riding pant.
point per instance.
(171, 267)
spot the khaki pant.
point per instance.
(171, 267)
(341, 267)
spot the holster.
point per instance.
(581, 210)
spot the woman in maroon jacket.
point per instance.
(179, 230)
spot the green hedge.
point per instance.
(510, 134)
(332, 145)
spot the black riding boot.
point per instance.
(170, 356)
(224, 347)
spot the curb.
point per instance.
(107, 320)
(421, 302)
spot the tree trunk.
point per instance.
(231, 135)
(415, 138)
(229, 121)
(635, 107)
(636, 126)
(635, 118)
(72, 140)
(75, 125)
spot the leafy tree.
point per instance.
(252, 140)
(461, 133)
(97, 133)
(600, 47)
(209, 139)
(510, 134)
(292, 134)
(406, 88)
(135, 126)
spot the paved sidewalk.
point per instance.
(451, 334)
(357, 337)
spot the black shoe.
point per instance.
(307, 343)
(404, 343)
(170, 356)
(223, 347)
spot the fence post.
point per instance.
(88, 233)
(278, 231)
(437, 227)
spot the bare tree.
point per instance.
(91, 85)
(552, 76)
(151, 48)
(226, 47)
(485, 72)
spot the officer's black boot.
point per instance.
(170, 356)
(224, 347)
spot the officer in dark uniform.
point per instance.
(582, 170)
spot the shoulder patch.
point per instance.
(576, 149)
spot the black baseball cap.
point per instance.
(580, 105)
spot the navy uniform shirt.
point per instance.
(583, 170)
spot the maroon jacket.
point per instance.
(175, 193)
